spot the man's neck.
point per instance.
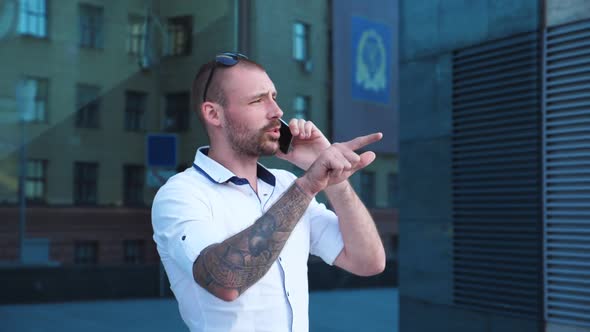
(241, 165)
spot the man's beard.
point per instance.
(252, 143)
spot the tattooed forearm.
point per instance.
(240, 261)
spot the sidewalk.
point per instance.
(374, 310)
(367, 310)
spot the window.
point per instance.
(135, 105)
(36, 180)
(33, 18)
(88, 106)
(91, 26)
(301, 107)
(36, 110)
(177, 112)
(136, 36)
(180, 31)
(86, 252)
(133, 251)
(133, 184)
(392, 190)
(85, 183)
(368, 188)
(300, 41)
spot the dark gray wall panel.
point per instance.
(496, 177)
(566, 125)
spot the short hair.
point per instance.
(215, 91)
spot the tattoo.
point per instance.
(240, 261)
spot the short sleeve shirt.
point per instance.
(207, 204)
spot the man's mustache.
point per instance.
(272, 125)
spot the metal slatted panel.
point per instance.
(496, 149)
(566, 163)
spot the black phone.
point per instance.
(286, 137)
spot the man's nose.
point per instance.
(275, 111)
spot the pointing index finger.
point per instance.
(361, 141)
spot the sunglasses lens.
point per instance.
(226, 60)
(229, 59)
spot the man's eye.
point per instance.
(256, 101)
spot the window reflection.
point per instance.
(87, 115)
(133, 185)
(33, 18)
(135, 106)
(85, 183)
(368, 188)
(301, 107)
(300, 41)
(177, 112)
(134, 251)
(37, 112)
(136, 38)
(86, 252)
(179, 32)
(35, 185)
(91, 26)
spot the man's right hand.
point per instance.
(337, 163)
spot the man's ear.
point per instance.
(211, 113)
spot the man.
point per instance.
(234, 237)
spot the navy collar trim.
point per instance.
(261, 172)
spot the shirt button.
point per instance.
(280, 259)
(287, 294)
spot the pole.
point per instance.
(24, 93)
(22, 195)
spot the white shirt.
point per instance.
(207, 204)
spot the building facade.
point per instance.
(88, 83)
(494, 166)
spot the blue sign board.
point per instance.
(161, 150)
(371, 57)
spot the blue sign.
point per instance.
(161, 150)
(371, 60)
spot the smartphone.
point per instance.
(286, 137)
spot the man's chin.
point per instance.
(270, 149)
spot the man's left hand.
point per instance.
(307, 144)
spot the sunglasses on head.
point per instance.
(226, 59)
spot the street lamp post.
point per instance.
(21, 191)
(25, 97)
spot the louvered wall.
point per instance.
(566, 123)
(497, 182)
